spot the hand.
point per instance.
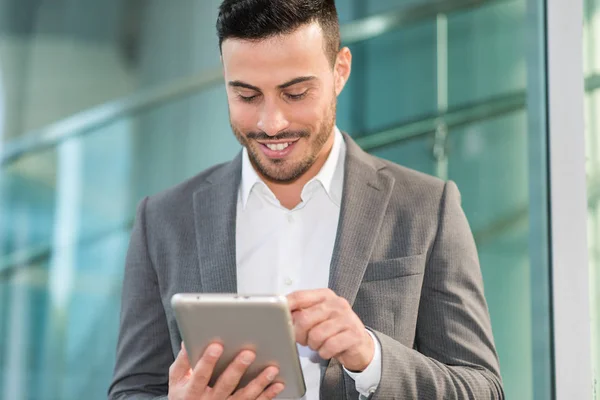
(188, 384)
(327, 324)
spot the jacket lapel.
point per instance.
(365, 198)
(366, 195)
(215, 209)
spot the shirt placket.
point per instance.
(292, 243)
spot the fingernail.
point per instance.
(272, 374)
(278, 389)
(214, 351)
(247, 358)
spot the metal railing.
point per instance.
(453, 118)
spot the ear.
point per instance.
(343, 66)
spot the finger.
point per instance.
(272, 392)
(204, 369)
(338, 344)
(306, 319)
(319, 334)
(300, 333)
(308, 298)
(230, 379)
(181, 365)
(259, 384)
(314, 315)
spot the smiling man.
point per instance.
(378, 261)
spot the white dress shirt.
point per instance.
(280, 251)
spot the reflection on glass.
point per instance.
(61, 58)
(489, 162)
(414, 153)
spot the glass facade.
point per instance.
(450, 90)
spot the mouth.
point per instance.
(278, 149)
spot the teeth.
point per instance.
(278, 146)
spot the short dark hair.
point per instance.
(261, 19)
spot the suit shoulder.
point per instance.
(417, 191)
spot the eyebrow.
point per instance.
(297, 80)
(282, 86)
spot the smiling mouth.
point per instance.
(278, 146)
(279, 149)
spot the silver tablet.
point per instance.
(259, 323)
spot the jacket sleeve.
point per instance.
(455, 356)
(144, 352)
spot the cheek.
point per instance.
(242, 117)
(310, 115)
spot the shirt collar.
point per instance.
(331, 175)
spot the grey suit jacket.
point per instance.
(404, 257)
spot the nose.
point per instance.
(272, 119)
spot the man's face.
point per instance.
(282, 94)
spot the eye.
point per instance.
(247, 99)
(296, 96)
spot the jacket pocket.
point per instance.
(395, 268)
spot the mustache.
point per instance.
(293, 135)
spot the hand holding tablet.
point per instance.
(185, 383)
(236, 327)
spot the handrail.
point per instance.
(453, 118)
(104, 114)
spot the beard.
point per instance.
(284, 170)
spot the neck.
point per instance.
(289, 194)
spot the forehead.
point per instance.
(276, 59)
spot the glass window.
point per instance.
(442, 90)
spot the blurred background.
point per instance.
(102, 103)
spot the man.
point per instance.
(378, 261)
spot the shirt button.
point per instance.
(288, 281)
(290, 218)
